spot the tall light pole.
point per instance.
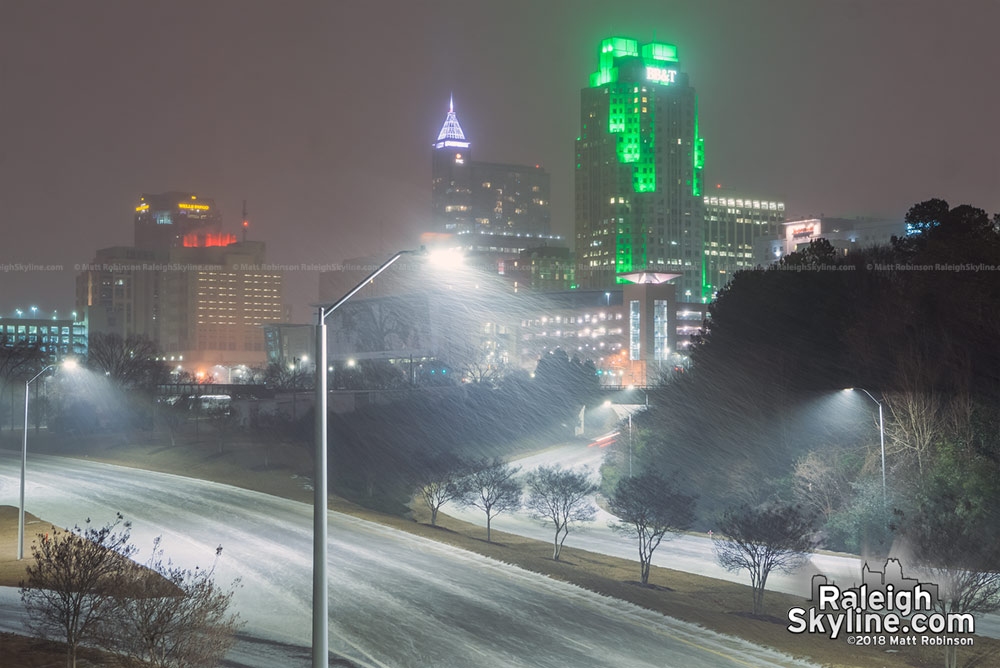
(68, 364)
(320, 611)
(881, 434)
(630, 445)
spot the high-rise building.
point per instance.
(500, 206)
(197, 292)
(639, 160)
(451, 177)
(733, 222)
(177, 219)
(119, 292)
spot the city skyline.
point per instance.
(332, 152)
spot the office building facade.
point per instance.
(733, 223)
(639, 161)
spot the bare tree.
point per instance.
(19, 361)
(916, 418)
(762, 539)
(129, 362)
(170, 617)
(485, 371)
(493, 490)
(440, 480)
(287, 375)
(17, 358)
(822, 481)
(69, 586)
(380, 324)
(562, 497)
(648, 508)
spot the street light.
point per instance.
(881, 432)
(68, 364)
(320, 611)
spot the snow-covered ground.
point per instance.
(691, 554)
(396, 600)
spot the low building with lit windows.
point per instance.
(844, 234)
(634, 334)
(56, 336)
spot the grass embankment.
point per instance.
(714, 604)
(12, 568)
(22, 651)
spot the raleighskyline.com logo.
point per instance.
(883, 610)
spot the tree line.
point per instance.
(762, 419)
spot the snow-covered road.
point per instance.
(396, 600)
(691, 554)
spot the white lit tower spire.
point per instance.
(451, 193)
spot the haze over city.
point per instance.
(321, 114)
(499, 334)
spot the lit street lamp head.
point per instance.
(450, 259)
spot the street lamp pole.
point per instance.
(881, 436)
(320, 611)
(629, 445)
(24, 461)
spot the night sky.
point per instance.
(321, 114)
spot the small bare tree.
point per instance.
(562, 497)
(822, 481)
(166, 616)
(69, 585)
(493, 489)
(915, 420)
(762, 539)
(648, 508)
(440, 480)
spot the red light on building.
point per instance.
(208, 239)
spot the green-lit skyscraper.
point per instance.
(639, 160)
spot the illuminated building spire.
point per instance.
(451, 135)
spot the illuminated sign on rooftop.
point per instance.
(200, 207)
(661, 75)
(451, 143)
